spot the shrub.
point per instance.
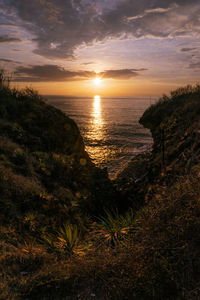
(116, 225)
(68, 237)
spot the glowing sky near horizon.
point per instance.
(136, 48)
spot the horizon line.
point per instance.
(104, 97)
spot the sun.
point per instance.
(97, 81)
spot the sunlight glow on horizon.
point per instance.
(97, 81)
(108, 88)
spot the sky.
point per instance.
(136, 48)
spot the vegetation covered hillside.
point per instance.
(174, 122)
(44, 170)
(175, 126)
(61, 234)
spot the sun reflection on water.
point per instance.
(97, 120)
(95, 132)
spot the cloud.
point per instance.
(17, 50)
(7, 39)
(194, 65)
(50, 73)
(188, 49)
(9, 61)
(60, 27)
(88, 63)
(169, 20)
(120, 74)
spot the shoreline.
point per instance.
(110, 129)
(124, 165)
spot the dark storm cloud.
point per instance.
(61, 26)
(48, 73)
(188, 49)
(7, 39)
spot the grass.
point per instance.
(157, 261)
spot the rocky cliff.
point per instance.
(174, 122)
(44, 169)
(51, 248)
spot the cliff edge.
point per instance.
(174, 122)
(44, 168)
(51, 194)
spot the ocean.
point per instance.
(109, 126)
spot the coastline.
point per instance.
(110, 128)
(146, 149)
(65, 224)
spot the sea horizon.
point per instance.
(109, 126)
(103, 97)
